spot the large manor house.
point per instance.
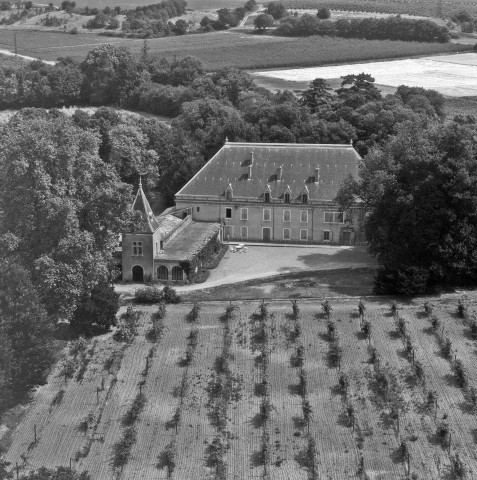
(247, 192)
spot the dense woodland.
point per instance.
(66, 183)
(391, 28)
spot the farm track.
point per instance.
(195, 429)
(161, 380)
(98, 461)
(285, 445)
(245, 439)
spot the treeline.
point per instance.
(152, 20)
(391, 28)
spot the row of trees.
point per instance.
(391, 28)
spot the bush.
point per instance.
(169, 295)
(323, 13)
(460, 373)
(410, 281)
(148, 295)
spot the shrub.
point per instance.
(427, 308)
(361, 308)
(366, 329)
(134, 411)
(193, 315)
(446, 347)
(166, 458)
(335, 354)
(460, 373)
(58, 398)
(461, 308)
(457, 467)
(435, 322)
(401, 326)
(148, 295)
(169, 295)
(443, 433)
(122, 449)
(331, 330)
(431, 399)
(403, 451)
(343, 383)
(323, 13)
(327, 308)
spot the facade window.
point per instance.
(287, 215)
(304, 216)
(326, 235)
(244, 214)
(287, 197)
(244, 232)
(286, 234)
(228, 232)
(303, 234)
(197, 209)
(304, 198)
(334, 217)
(267, 197)
(228, 213)
(137, 249)
(266, 214)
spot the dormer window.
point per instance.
(266, 197)
(304, 198)
(228, 195)
(287, 197)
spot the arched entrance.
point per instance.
(138, 274)
(162, 273)
(177, 273)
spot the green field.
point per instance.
(223, 49)
(412, 7)
(194, 4)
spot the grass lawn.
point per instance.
(331, 283)
(223, 49)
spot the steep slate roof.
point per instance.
(149, 222)
(230, 166)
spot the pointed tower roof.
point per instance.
(149, 221)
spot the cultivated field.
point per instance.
(230, 48)
(256, 390)
(452, 75)
(414, 7)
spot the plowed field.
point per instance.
(331, 444)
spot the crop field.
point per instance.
(428, 8)
(452, 75)
(222, 49)
(255, 390)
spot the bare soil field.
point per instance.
(451, 75)
(251, 390)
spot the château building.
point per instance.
(275, 192)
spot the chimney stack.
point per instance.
(279, 173)
(317, 174)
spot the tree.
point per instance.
(263, 21)
(420, 189)
(356, 90)
(324, 13)
(227, 18)
(317, 94)
(180, 27)
(63, 203)
(276, 9)
(60, 473)
(97, 311)
(110, 74)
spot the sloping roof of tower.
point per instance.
(149, 222)
(230, 167)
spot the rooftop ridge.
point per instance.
(289, 145)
